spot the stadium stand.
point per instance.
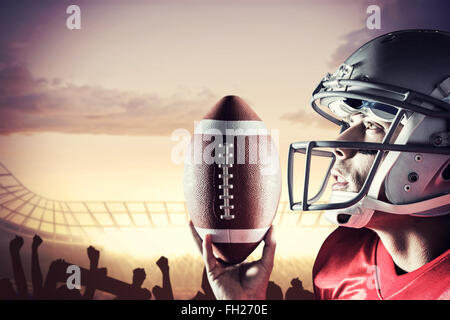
(24, 212)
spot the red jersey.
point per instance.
(354, 264)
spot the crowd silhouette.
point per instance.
(297, 292)
(56, 281)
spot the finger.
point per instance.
(197, 239)
(269, 249)
(208, 256)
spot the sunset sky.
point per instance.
(89, 114)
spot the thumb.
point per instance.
(208, 256)
(269, 249)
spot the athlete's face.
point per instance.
(352, 166)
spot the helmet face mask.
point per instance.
(403, 169)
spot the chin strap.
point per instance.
(361, 212)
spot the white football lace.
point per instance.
(226, 175)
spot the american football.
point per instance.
(232, 179)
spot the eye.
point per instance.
(372, 125)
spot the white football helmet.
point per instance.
(403, 78)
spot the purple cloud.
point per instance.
(395, 15)
(30, 105)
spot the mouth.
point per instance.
(341, 183)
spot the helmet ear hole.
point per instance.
(343, 218)
(446, 173)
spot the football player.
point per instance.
(389, 174)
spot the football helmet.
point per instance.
(402, 78)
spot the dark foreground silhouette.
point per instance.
(297, 292)
(66, 281)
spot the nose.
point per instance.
(353, 133)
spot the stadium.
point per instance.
(132, 234)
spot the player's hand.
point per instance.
(245, 281)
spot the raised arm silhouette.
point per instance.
(95, 273)
(36, 274)
(19, 276)
(164, 293)
(56, 273)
